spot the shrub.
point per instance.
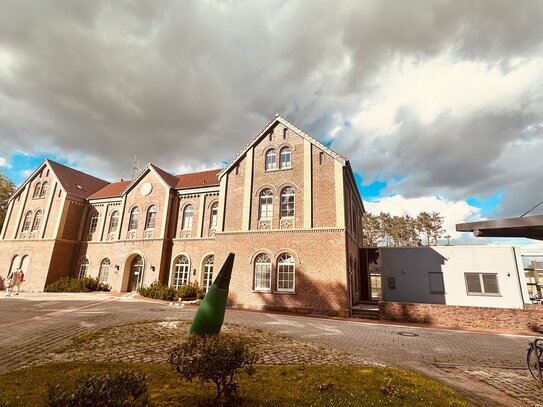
(158, 291)
(216, 359)
(72, 285)
(191, 290)
(124, 388)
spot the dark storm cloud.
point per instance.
(190, 83)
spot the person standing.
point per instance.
(9, 283)
(21, 280)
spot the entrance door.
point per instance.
(136, 273)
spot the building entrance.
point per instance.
(136, 273)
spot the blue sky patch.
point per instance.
(487, 205)
(23, 164)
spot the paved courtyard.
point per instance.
(488, 369)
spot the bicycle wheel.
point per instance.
(531, 358)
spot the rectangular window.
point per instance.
(436, 283)
(392, 283)
(482, 283)
(321, 158)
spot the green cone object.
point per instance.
(210, 315)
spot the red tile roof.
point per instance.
(198, 179)
(110, 191)
(166, 176)
(76, 183)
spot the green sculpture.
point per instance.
(210, 315)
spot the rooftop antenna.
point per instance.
(136, 165)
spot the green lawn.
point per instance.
(269, 386)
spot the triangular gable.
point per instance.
(169, 180)
(287, 124)
(72, 182)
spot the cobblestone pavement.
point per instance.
(488, 369)
(151, 342)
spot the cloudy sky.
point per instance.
(438, 104)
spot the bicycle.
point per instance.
(535, 359)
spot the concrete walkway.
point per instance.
(486, 368)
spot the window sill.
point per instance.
(484, 295)
(273, 292)
(278, 169)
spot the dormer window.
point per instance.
(79, 187)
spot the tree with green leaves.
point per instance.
(6, 190)
(402, 231)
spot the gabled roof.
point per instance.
(74, 182)
(287, 124)
(198, 179)
(115, 189)
(166, 176)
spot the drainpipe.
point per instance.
(518, 277)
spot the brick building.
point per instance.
(287, 205)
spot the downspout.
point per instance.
(518, 277)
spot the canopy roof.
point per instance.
(530, 227)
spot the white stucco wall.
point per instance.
(410, 268)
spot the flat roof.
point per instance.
(530, 227)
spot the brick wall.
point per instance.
(529, 318)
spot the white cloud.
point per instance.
(4, 163)
(453, 211)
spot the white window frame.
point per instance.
(266, 204)
(83, 268)
(214, 215)
(43, 189)
(288, 192)
(270, 164)
(263, 273)
(134, 218)
(207, 277)
(113, 222)
(93, 224)
(37, 220)
(37, 190)
(181, 271)
(27, 222)
(482, 284)
(103, 274)
(187, 220)
(284, 163)
(150, 218)
(286, 260)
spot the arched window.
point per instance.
(134, 218)
(37, 221)
(25, 261)
(270, 160)
(93, 222)
(104, 270)
(287, 202)
(266, 204)
(150, 220)
(83, 268)
(37, 190)
(27, 221)
(214, 215)
(181, 272)
(114, 222)
(15, 263)
(285, 273)
(188, 214)
(43, 189)
(285, 161)
(263, 267)
(208, 273)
